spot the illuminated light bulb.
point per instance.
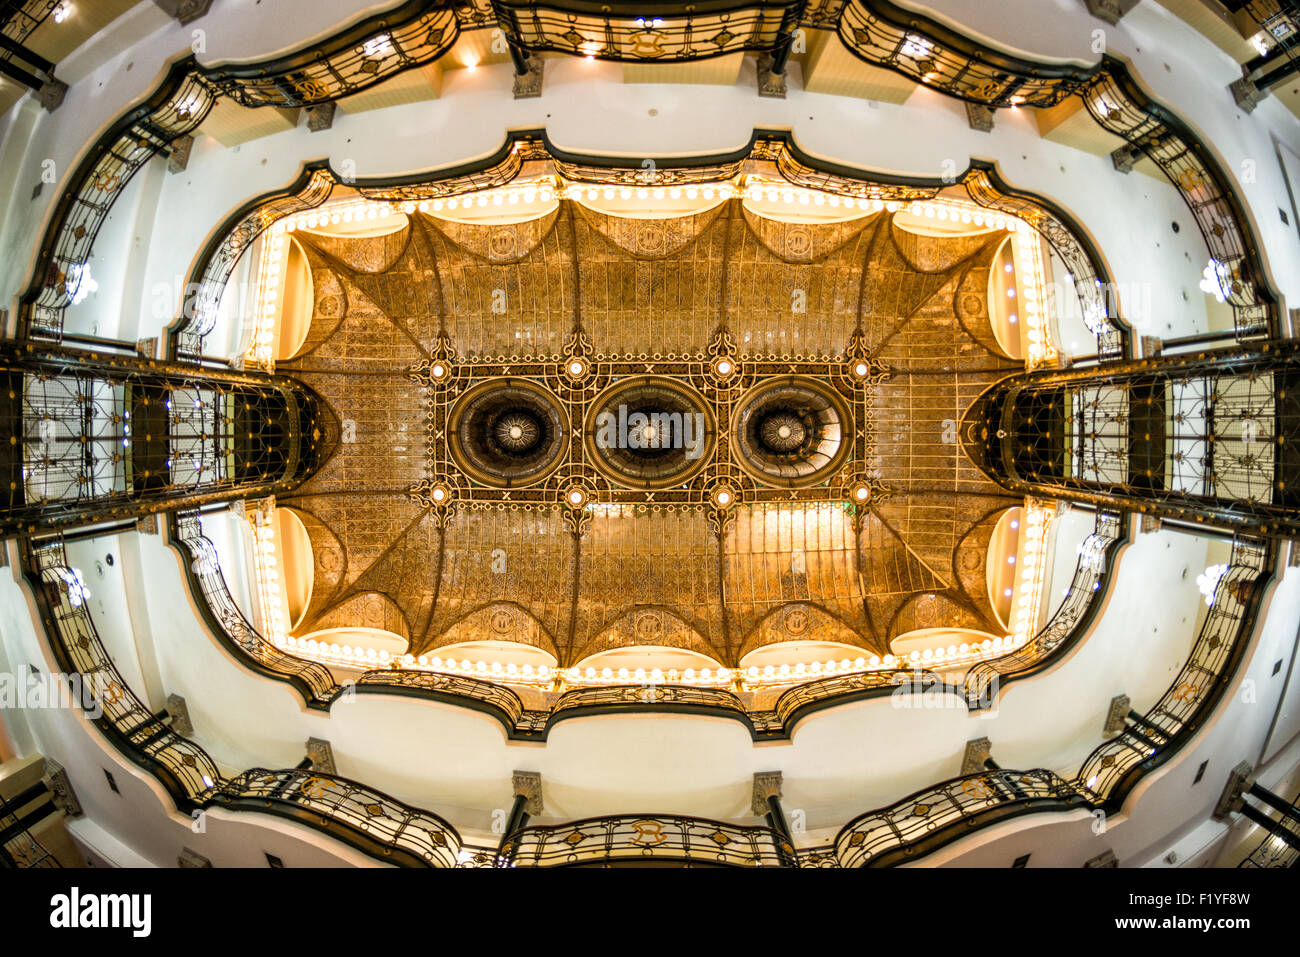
(874, 661)
(888, 661)
(724, 367)
(471, 64)
(861, 370)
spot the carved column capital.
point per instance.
(1116, 713)
(977, 752)
(322, 756)
(528, 784)
(767, 784)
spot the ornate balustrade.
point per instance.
(660, 33)
(90, 437)
(1072, 618)
(319, 689)
(207, 583)
(1273, 851)
(362, 817)
(353, 60)
(935, 816)
(884, 34)
(644, 840)
(1204, 437)
(184, 769)
(770, 154)
(939, 815)
(1115, 767)
(365, 818)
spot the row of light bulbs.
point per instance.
(1035, 301)
(751, 678)
(1031, 572)
(266, 565)
(545, 190)
(261, 350)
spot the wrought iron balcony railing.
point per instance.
(319, 689)
(934, 817)
(1274, 849)
(771, 153)
(884, 34)
(652, 32)
(1071, 619)
(631, 839)
(202, 570)
(373, 822)
(88, 438)
(362, 817)
(1208, 437)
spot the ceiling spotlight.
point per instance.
(62, 12)
(576, 497)
(723, 497)
(576, 368)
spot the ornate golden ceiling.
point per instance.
(855, 346)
